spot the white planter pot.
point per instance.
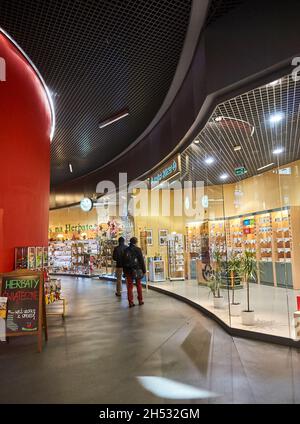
(235, 309)
(218, 302)
(248, 318)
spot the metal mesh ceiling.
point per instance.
(260, 121)
(99, 57)
(219, 8)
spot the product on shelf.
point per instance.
(3, 307)
(74, 257)
(235, 236)
(176, 258)
(39, 257)
(249, 234)
(52, 291)
(30, 258)
(282, 232)
(106, 255)
(268, 235)
(264, 237)
(217, 238)
(45, 257)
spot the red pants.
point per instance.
(129, 282)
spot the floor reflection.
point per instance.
(170, 389)
(197, 346)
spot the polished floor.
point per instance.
(97, 354)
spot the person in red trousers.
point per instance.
(134, 270)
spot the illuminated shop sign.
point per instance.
(69, 228)
(169, 170)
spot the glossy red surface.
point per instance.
(25, 121)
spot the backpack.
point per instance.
(130, 259)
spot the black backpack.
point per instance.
(130, 259)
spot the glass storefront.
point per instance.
(240, 259)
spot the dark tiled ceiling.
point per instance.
(99, 57)
(260, 122)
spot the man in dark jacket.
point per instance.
(134, 269)
(118, 258)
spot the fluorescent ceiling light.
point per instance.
(274, 83)
(266, 166)
(276, 117)
(209, 160)
(278, 150)
(224, 176)
(71, 168)
(114, 118)
(237, 148)
(285, 171)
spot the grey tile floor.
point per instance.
(97, 353)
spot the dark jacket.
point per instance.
(139, 255)
(118, 254)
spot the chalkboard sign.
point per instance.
(26, 315)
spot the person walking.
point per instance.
(134, 269)
(118, 258)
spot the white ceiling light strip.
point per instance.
(49, 97)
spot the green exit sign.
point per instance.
(240, 171)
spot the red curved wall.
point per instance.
(25, 121)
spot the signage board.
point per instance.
(26, 314)
(240, 171)
(169, 170)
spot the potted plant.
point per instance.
(249, 272)
(216, 280)
(234, 268)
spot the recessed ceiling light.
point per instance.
(54, 94)
(71, 168)
(278, 150)
(276, 117)
(196, 141)
(209, 160)
(237, 148)
(122, 114)
(218, 118)
(265, 166)
(224, 176)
